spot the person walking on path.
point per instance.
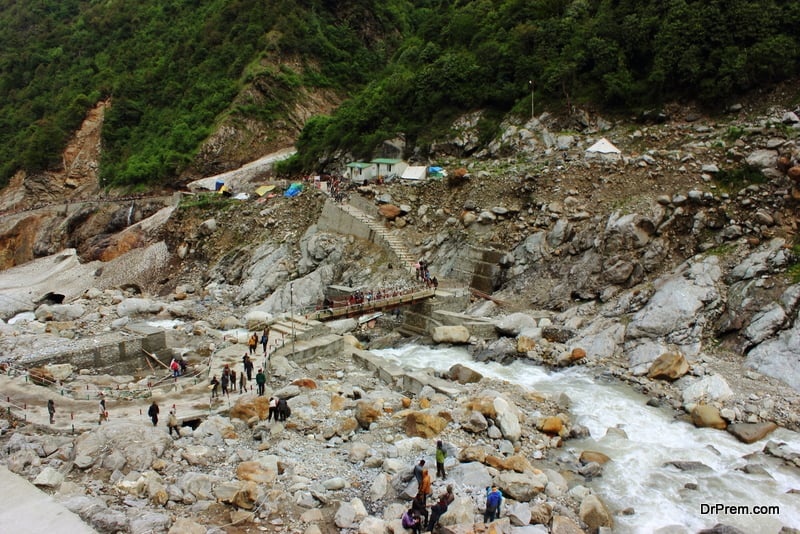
(248, 366)
(252, 343)
(261, 379)
(440, 457)
(51, 409)
(265, 339)
(214, 386)
(494, 498)
(175, 367)
(438, 509)
(172, 423)
(225, 379)
(103, 412)
(153, 413)
(233, 380)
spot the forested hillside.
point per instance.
(175, 69)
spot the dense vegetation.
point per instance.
(174, 68)
(171, 67)
(617, 54)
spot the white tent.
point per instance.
(604, 150)
(415, 172)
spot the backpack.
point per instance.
(493, 500)
(408, 521)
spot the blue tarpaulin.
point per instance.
(294, 190)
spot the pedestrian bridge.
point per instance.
(340, 308)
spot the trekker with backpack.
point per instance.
(493, 501)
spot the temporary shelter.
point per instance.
(387, 167)
(294, 190)
(360, 171)
(264, 189)
(437, 173)
(603, 150)
(415, 172)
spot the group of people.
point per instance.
(172, 419)
(424, 274)
(419, 519)
(279, 409)
(178, 366)
(228, 379)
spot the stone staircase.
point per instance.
(394, 243)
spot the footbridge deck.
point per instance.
(340, 309)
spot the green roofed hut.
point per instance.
(389, 168)
(361, 171)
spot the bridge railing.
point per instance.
(345, 309)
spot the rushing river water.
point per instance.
(637, 477)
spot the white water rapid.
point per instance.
(637, 477)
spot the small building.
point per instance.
(361, 171)
(390, 168)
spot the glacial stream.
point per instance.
(636, 477)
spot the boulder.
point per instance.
(522, 486)
(708, 389)
(565, 525)
(476, 423)
(424, 425)
(49, 478)
(472, 453)
(594, 513)
(706, 416)
(472, 474)
(389, 211)
(463, 374)
(525, 344)
(372, 525)
(518, 513)
(551, 425)
(256, 472)
(507, 419)
(184, 525)
(593, 456)
(751, 432)
(367, 413)
(513, 324)
(669, 366)
(451, 334)
(350, 514)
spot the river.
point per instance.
(637, 477)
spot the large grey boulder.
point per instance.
(777, 357)
(678, 301)
(507, 419)
(59, 312)
(512, 324)
(522, 486)
(451, 334)
(138, 306)
(139, 453)
(708, 389)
